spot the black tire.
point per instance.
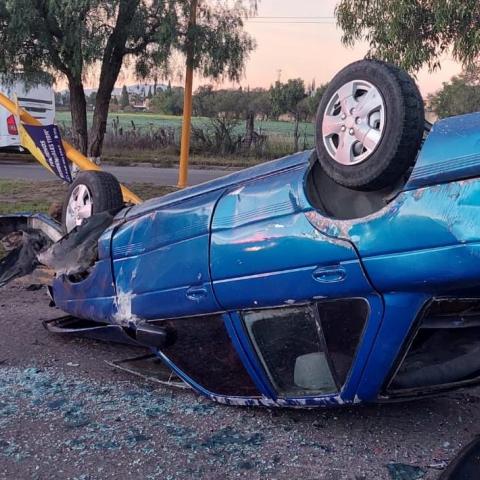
(105, 191)
(404, 121)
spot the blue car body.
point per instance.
(245, 269)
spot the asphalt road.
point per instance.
(67, 415)
(157, 176)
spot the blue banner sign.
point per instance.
(48, 143)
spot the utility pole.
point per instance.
(187, 104)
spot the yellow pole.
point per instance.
(73, 155)
(187, 103)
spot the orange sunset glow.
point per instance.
(297, 39)
(311, 50)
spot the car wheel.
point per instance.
(92, 192)
(369, 125)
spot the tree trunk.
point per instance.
(78, 106)
(296, 136)
(250, 130)
(111, 66)
(100, 116)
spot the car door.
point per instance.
(161, 260)
(265, 252)
(286, 280)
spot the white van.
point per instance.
(38, 100)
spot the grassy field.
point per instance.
(18, 196)
(22, 196)
(134, 149)
(146, 121)
(167, 159)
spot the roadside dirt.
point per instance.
(36, 196)
(65, 414)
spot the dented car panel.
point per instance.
(419, 229)
(93, 298)
(264, 252)
(449, 153)
(260, 296)
(174, 240)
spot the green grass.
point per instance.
(19, 207)
(167, 159)
(23, 196)
(38, 197)
(9, 187)
(153, 120)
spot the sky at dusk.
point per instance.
(311, 50)
(293, 48)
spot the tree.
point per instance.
(70, 38)
(230, 103)
(413, 33)
(286, 98)
(124, 98)
(456, 97)
(203, 101)
(169, 102)
(309, 105)
(91, 99)
(260, 103)
(62, 99)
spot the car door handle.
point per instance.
(196, 293)
(330, 274)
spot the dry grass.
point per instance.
(22, 196)
(18, 196)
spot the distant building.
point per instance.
(139, 107)
(139, 90)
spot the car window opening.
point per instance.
(201, 348)
(445, 349)
(308, 350)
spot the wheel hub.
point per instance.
(79, 207)
(350, 122)
(353, 122)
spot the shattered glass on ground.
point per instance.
(65, 414)
(78, 418)
(399, 471)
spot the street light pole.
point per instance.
(187, 104)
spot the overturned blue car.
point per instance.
(342, 275)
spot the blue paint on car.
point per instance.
(253, 242)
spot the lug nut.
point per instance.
(344, 128)
(358, 120)
(351, 131)
(343, 116)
